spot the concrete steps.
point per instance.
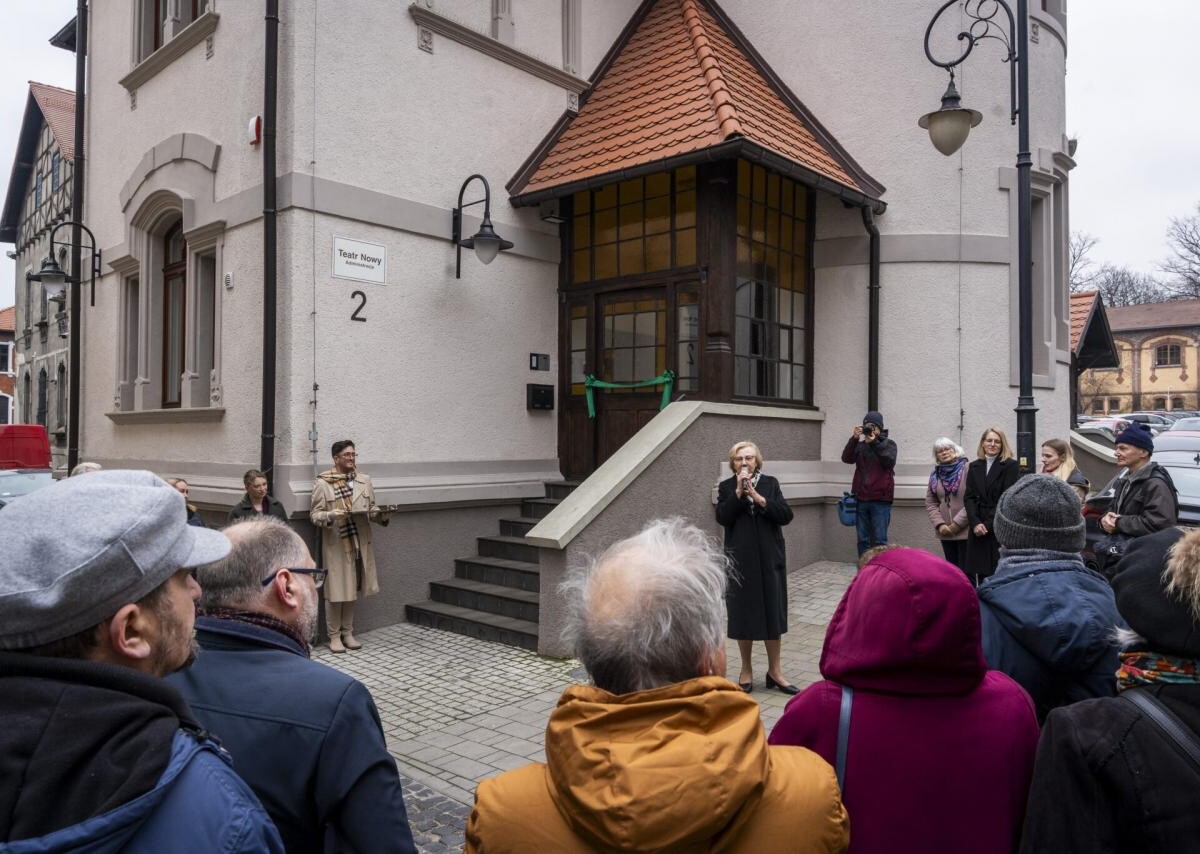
(494, 593)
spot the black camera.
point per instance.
(870, 429)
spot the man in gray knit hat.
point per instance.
(96, 605)
(1047, 619)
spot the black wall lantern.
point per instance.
(53, 278)
(486, 242)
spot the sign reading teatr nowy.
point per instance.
(362, 262)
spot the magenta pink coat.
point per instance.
(941, 749)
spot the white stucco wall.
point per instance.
(438, 370)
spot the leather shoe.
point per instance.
(787, 689)
(746, 686)
(350, 640)
(335, 644)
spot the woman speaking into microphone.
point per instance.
(751, 508)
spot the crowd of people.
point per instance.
(159, 694)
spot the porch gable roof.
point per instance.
(682, 85)
(1092, 342)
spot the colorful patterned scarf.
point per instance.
(949, 475)
(1152, 668)
(254, 618)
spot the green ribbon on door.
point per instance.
(666, 379)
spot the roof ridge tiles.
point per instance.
(714, 78)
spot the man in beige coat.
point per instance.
(343, 506)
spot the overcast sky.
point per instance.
(1128, 72)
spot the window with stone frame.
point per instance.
(159, 21)
(43, 398)
(6, 407)
(27, 398)
(1160, 403)
(1177, 403)
(1097, 405)
(1168, 356)
(174, 317)
(60, 397)
(5, 357)
(1114, 404)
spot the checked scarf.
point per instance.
(343, 494)
(1153, 668)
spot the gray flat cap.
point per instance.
(76, 552)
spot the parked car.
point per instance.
(1156, 421)
(17, 482)
(1178, 452)
(1103, 430)
(1186, 424)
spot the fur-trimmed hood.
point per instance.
(1158, 590)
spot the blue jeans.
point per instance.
(872, 524)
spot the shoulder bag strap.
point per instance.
(1170, 725)
(843, 736)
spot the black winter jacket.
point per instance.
(1107, 779)
(1145, 501)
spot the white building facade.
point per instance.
(385, 109)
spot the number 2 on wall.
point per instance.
(362, 303)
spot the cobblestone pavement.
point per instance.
(457, 710)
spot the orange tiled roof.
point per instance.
(684, 80)
(1081, 310)
(58, 107)
(8, 319)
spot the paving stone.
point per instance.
(458, 710)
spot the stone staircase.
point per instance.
(494, 593)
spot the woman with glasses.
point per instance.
(752, 510)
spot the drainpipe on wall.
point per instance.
(75, 381)
(872, 311)
(271, 79)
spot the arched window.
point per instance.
(1160, 403)
(1167, 356)
(26, 398)
(174, 278)
(60, 396)
(43, 398)
(1177, 403)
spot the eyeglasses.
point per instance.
(317, 574)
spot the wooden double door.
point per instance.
(623, 335)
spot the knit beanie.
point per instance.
(1040, 511)
(1162, 618)
(873, 417)
(1138, 435)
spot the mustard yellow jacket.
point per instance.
(685, 768)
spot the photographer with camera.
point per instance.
(873, 456)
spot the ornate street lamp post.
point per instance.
(948, 129)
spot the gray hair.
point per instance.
(945, 442)
(85, 468)
(260, 547)
(647, 611)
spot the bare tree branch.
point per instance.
(1121, 286)
(1081, 272)
(1184, 264)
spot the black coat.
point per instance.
(1107, 779)
(757, 594)
(983, 493)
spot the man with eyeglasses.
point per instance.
(343, 507)
(305, 737)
